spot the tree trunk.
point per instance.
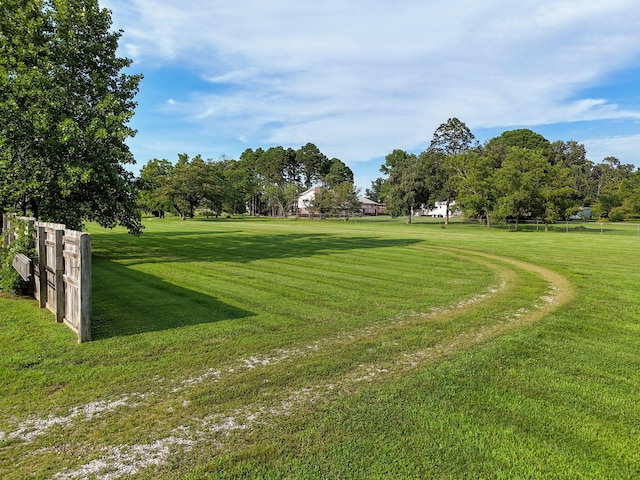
(446, 213)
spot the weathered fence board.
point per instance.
(61, 273)
(77, 246)
(22, 264)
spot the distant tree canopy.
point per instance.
(64, 109)
(263, 182)
(516, 176)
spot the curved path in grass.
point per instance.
(217, 426)
(560, 292)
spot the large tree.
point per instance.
(450, 139)
(519, 181)
(378, 190)
(193, 183)
(473, 172)
(345, 200)
(630, 192)
(410, 181)
(153, 176)
(64, 111)
(337, 173)
(525, 139)
(573, 155)
(250, 181)
(313, 162)
(607, 178)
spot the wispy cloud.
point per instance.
(362, 78)
(623, 147)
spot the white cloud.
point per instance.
(624, 147)
(361, 78)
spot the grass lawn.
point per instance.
(261, 348)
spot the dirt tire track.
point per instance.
(218, 429)
(561, 292)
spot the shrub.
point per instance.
(617, 214)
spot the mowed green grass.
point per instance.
(258, 348)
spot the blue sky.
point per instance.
(360, 79)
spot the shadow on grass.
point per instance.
(128, 302)
(235, 246)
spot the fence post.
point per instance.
(84, 325)
(42, 266)
(59, 281)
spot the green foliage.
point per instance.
(629, 192)
(183, 187)
(412, 181)
(64, 109)
(516, 176)
(313, 163)
(612, 182)
(153, 176)
(337, 173)
(266, 181)
(519, 181)
(340, 201)
(525, 139)
(618, 214)
(378, 190)
(503, 181)
(452, 138)
(477, 191)
(10, 280)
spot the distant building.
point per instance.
(583, 214)
(305, 199)
(367, 207)
(439, 210)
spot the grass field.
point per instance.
(260, 348)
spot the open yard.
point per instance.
(255, 348)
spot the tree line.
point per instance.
(517, 176)
(65, 105)
(261, 182)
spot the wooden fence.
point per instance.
(60, 272)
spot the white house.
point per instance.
(367, 207)
(583, 214)
(439, 210)
(305, 199)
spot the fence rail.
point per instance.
(61, 272)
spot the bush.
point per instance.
(617, 214)
(10, 280)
